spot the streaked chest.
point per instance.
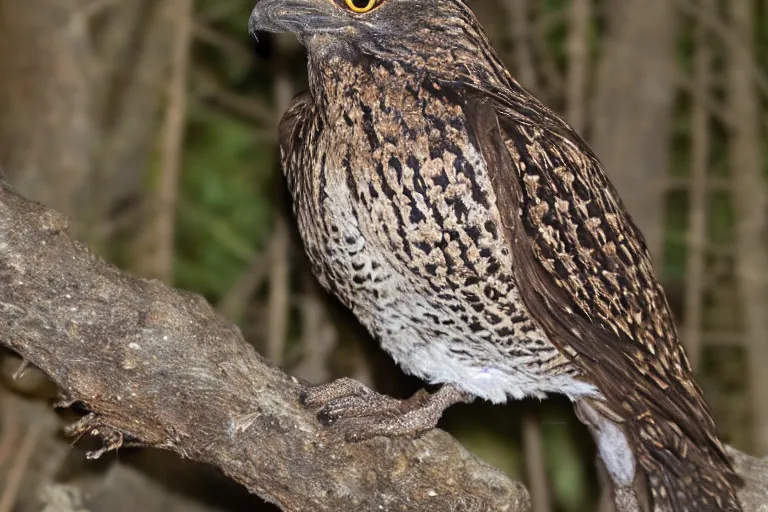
(399, 219)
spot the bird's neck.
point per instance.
(340, 80)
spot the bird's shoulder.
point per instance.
(583, 269)
(296, 114)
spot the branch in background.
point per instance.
(632, 121)
(48, 132)
(518, 13)
(278, 304)
(552, 83)
(712, 105)
(238, 52)
(578, 64)
(695, 266)
(738, 43)
(210, 89)
(536, 463)
(318, 334)
(133, 42)
(19, 468)
(161, 232)
(9, 432)
(234, 303)
(750, 202)
(161, 368)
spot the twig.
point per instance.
(518, 13)
(697, 230)
(19, 468)
(163, 226)
(10, 431)
(236, 299)
(750, 200)
(578, 64)
(535, 463)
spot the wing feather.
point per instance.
(585, 275)
(291, 120)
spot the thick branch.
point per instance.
(160, 367)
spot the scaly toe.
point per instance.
(412, 424)
(315, 397)
(359, 406)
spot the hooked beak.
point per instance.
(300, 17)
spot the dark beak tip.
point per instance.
(253, 22)
(259, 19)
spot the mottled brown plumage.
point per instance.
(479, 239)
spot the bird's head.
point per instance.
(354, 22)
(433, 35)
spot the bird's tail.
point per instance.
(683, 475)
(657, 467)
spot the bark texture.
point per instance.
(159, 367)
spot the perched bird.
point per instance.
(479, 240)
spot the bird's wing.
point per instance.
(293, 117)
(585, 276)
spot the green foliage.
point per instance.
(225, 209)
(494, 447)
(566, 463)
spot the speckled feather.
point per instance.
(479, 239)
(396, 211)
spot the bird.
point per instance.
(478, 238)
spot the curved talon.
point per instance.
(325, 417)
(303, 397)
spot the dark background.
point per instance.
(152, 123)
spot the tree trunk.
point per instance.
(78, 99)
(695, 265)
(47, 132)
(633, 107)
(578, 64)
(751, 208)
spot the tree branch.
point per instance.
(159, 367)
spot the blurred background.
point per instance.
(152, 124)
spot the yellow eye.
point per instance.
(360, 6)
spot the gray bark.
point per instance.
(159, 367)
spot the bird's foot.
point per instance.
(357, 413)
